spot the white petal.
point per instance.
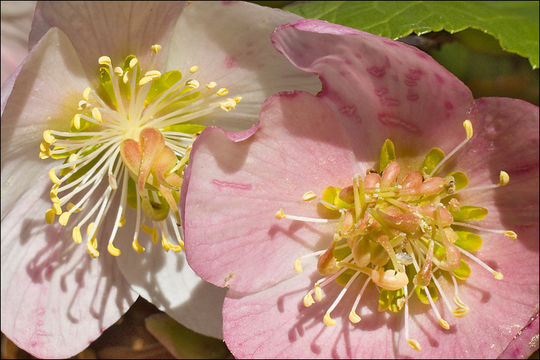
(166, 280)
(230, 42)
(56, 299)
(44, 96)
(16, 22)
(112, 28)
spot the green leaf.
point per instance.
(468, 241)
(460, 179)
(182, 342)
(463, 271)
(388, 154)
(469, 212)
(432, 159)
(513, 23)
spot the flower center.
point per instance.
(132, 133)
(402, 233)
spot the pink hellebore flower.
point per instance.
(387, 265)
(111, 97)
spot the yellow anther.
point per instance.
(237, 99)
(91, 249)
(175, 248)
(104, 60)
(497, 275)
(308, 300)
(328, 320)
(44, 146)
(49, 216)
(43, 155)
(468, 128)
(318, 292)
(118, 71)
(156, 48)
(122, 221)
(504, 178)
(70, 206)
(211, 85)
(153, 74)
(133, 62)
(354, 317)
(310, 195)
(83, 104)
(280, 214)
(164, 243)
(136, 246)
(154, 235)
(97, 114)
(63, 219)
(510, 234)
(86, 93)
(89, 228)
(48, 137)
(414, 344)
(53, 177)
(54, 197)
(146, 229)
(193, 69)
(444, 324)
(227, 105)
(76, 233)
(460, 312)
(222, 91)
(57, 209)
(460, 303)
(145, 80)
(125, 78)
(193, 83)
(298, 265)
(113, 250)
(77, 121)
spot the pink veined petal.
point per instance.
(235, 189)
(43, 96)
(16, 22)
(166, 280)
(379, 87)
(112, 28)
(237, 54)
(274, 323)
(506, 135)
(524, 344)
(56, 299)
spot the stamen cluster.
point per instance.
(132, 133)
(403, 232)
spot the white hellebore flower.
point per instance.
(113, 95)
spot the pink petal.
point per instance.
(524, 344)
(506, 135)
(380, 87)
(246, 183)
(16, 21)
(115, 29)
(43, 97)
(236, 52)
(275, 324)
(56, 299)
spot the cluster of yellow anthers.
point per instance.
(400, 232)
(131, 133)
